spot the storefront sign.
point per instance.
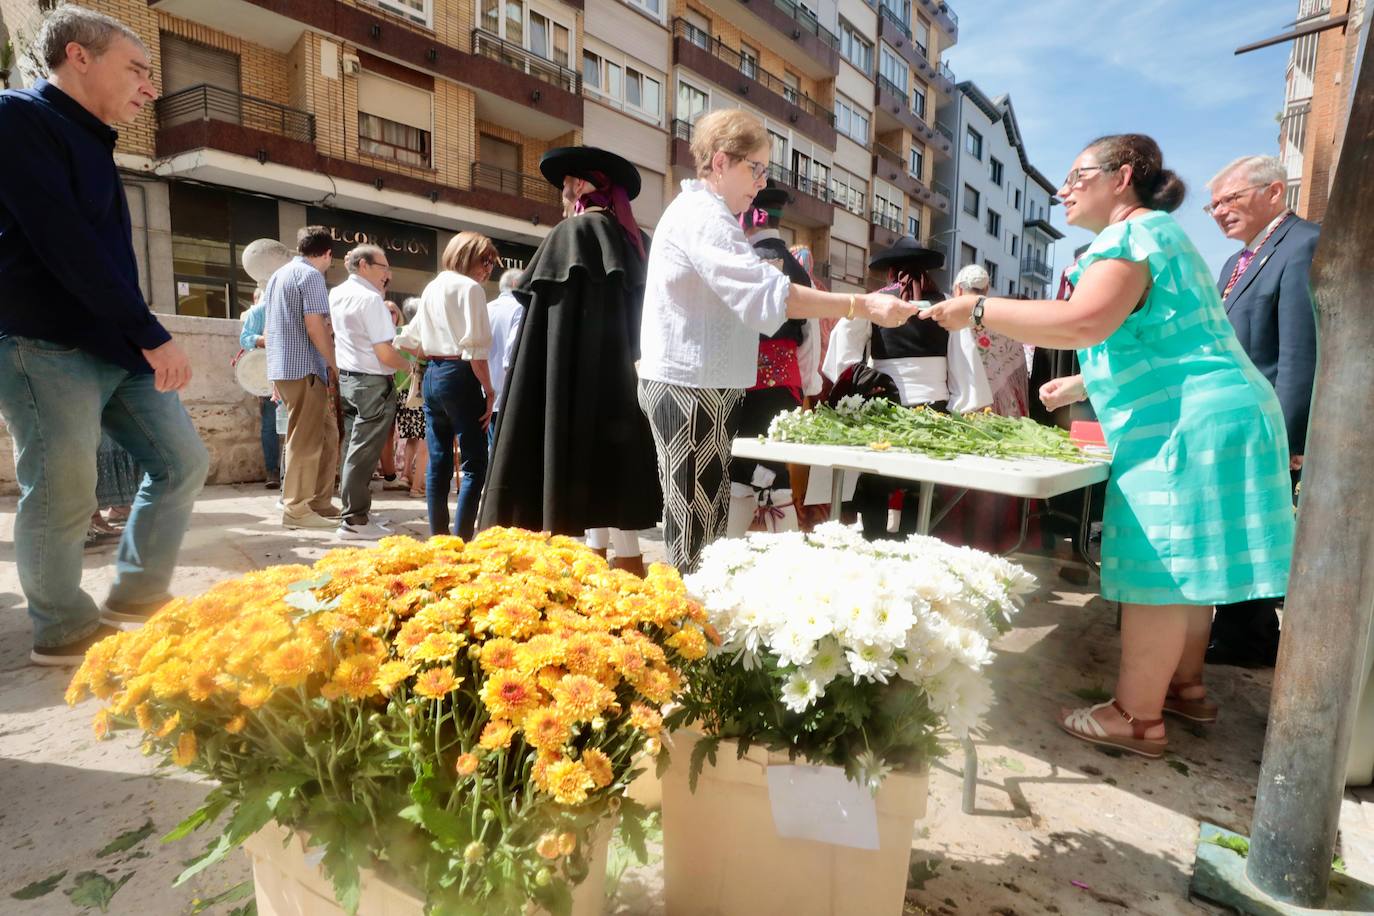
(514, 256)
(406, 246)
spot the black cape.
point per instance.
(573, 449)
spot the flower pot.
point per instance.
(722, 853)
(288, 881)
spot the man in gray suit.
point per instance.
(1265, 289)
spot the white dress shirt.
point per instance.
(1254, 243)
(707, 297)
(360, 319)
(958, 377)
(452, 319)
(505, 313)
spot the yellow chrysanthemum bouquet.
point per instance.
(458, 715)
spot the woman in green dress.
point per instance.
(1198, 509)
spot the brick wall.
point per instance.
(1326, 119)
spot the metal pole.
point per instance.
(1331, 592)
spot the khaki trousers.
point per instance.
(311, 459)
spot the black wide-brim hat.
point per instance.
(908, 253)
(581, 161)
(772, 197)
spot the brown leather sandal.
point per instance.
(1202, 711)
(629, 564)
(1083, 725)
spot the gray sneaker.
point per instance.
(124, 616)
(309, 520)
(368, 531)
(71, 654)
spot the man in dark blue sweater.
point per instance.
(79, 348)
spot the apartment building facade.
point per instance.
(401, 122)
(1002, 217)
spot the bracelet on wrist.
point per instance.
(850, 316)
(980, 334)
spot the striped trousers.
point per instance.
(692, 429)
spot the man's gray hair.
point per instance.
(410, 308)
(356, 256)
(509, 280)
(66, 24)
(1255, 169)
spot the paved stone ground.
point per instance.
(1059, 827)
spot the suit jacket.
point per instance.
(1272, 311)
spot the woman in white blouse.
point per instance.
(708, 296)
(452, 331)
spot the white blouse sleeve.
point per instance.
(809, 358)
(968, 381)
(754, 290)
(847, 342)
(466, 306)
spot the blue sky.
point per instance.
(1077, 69)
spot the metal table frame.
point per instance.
(1027, 478)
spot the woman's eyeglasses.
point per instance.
(489, 260)
(756, 169)
(1076, 175)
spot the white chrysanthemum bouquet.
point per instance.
(847, 652)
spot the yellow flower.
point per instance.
(498, 654)
(170, 678)
(466, 765)
(546, 729)
(646, 719)
(599, 766)
(509, 695)
(185, 753)
(497, 734)
(168, 725)
(660, 685)
(436, 683)
(144, 714)
(289, 665)
(236, 724)
(436, 647)
(101, 724)
(547, 847)
(514, 618)
(200, 686)
(392, 674)
(567, 843)
(255, 694)
(689, 642)
(581, 698)
(568, 781)
(353, 678)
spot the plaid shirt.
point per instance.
(293, 292)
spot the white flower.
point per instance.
(872, 662)
(827, 663)
(800, 691)
(850, 405)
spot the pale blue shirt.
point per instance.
(254, 320)
(505, 313)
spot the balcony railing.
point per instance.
(948, 73)
(939, 187)
(211, 103)
(946, 9)
(889, 86)
(749, 67)
(791, 179)
(682, 130)
(492, 47)
(887, 152)
(1036, 267)
(891, 16)
(945, 131)
(530, 187)
(808, 22)
(890, 223)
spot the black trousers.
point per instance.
(1250, 627)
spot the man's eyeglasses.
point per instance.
(757, 169)
(1230, 199)
(1076, 175)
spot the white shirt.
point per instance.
(505, 314)
(452, 319)
(707, 297)
(958, 377)
(360, 320)
(1254, 243)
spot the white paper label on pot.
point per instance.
(821, 804)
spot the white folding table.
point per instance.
(1028, 478)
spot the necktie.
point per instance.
(1242, 263)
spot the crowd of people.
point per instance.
(598, 395)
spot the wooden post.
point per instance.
(1331, 593)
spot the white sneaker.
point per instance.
(281, 504)
(378, 518)
(371, 531)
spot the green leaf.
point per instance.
(248, 909)
(305, 585)
(449, 829)
(93, 889)
(705, 750)
(126, 840)
(210, 809)
(635, 823)
(240, 891)
(251, 815)
(340, 862)
(38, 889)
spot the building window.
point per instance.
(921, 36)
(1018, 200)
(973, 142)
(893, 69)
(851, 120)
(649, 6)
(848, 262)
(991, 268)
(855, 48)
(967, 254)
(791, 87)
(1011, 287)
(511, 21)
(994, 224)
(421, 11)
(391, 140)
(887, 208)
(748, 61)
(777, 150)
(996, 170)
(1014, 242)
(591, 71)
(913, 226)
(918, 163)
(698, 29)
(691, 102)
(210, 228)
(971, 200)
(643, 93)
(848, 190)
(918, 101)
(812, 177)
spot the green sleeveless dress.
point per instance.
(1199, 506)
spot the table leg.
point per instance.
(1085, 530)
(970, 774)
(924, 507)
(1025, 528)
(836, 493)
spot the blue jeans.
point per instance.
(56, 400)
(271, 445)
(454, 404)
